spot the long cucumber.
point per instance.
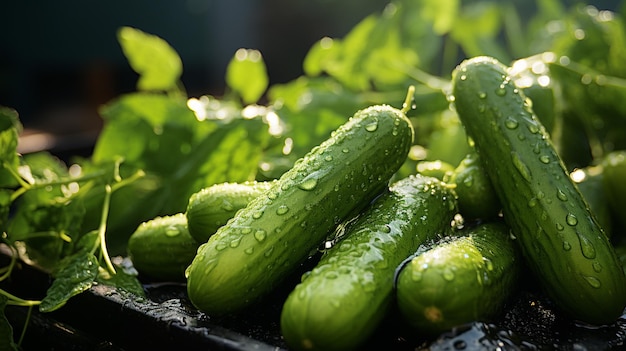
(344, 298)
(560, 237)
(268, 239)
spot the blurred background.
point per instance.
(60, 60)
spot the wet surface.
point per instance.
(106, 319)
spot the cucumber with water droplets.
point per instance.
(211, 207)
(559, 236)
(476, 196)
(344, 298)
(268, 239)
(466, 277)
(162, 248)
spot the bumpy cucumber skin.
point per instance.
(162, 248)
(476, 196)
(211, 207)
(343, 299)
(267, 240)
(559, 236)
(463, 278)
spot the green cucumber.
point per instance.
(460, 279)
(268, 239)
(211, 207)
(590, 182)
(560, 237)
(614, 184)
(344, 298)
(475, 194)
(162, 248)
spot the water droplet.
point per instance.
(571, 219)
(345, 150)
(532, 202)
(586, 247)
(523, 170)
(567, 246)
(220, 246)
(385, 228)
(533, 128)
(463, 77)
(371, 126)
(308, 184)
(227, 206)
(544, 159)
(235, 242)
(249, 250)
(559, 227)
(282, 209)
(468, 181)
(172, 231)
(501, 90)
(331, 275)
(593, 281)
(511, 123)
(482, 94)
(597, 267)
(561, 195)
(416, 276)
(448, 274)
(268, 252)
(488, 264)
(260, 235)
(481, 107)
(328, 158)
(257, 214)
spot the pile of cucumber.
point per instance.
(440, 250)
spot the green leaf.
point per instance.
(121, 280)
(247, 76)
(442, 13)
(10, 128)
(76, 275)
(6, 331)
(157, 63)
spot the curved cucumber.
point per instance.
(340, 302)
(211, 207)
(460, 279)
(268, 239)
(162, 248)
(560, 237)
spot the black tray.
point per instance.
(103, 318)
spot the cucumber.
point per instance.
(590, 182)
(460, 279)
(268, 239)
(475, 194)
(614, 184)
(344, 298)
(560, 237)
(162, 248)
(211, 207)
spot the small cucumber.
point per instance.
(614, 184)
(560, 237)
(590, 182)
(476, 196)
(162, 248)
(460, 279)
(211, 207)
(268, 239)
(343, 299)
